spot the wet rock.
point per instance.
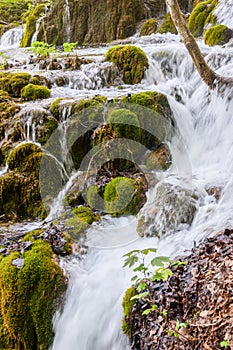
(18, 262)
(160, 159)
(171, 209)
(56, 238)
(215, 191)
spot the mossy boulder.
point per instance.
(30, 295)
(167, 26)
(19, 187)
(201, 16)
(80, 220)
(30, 29)
(124, 196)
(218, 35)
(34, 92)
(130, 60)
(13, 83)
(149, 27)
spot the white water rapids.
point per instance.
(91, 318)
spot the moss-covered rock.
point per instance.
(124, 196)
(80, 220)
(87, 115)
(19, 188)
(149, 27)
(167, 26)
(218, 35)
(34, 92)
(30, 296)
(201, 16)
(30, 29)
(127, 305)
(14, 82)
(130, 60)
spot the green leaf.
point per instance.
(224, 343)
(152, 250)
(134, 278)
(130, 261)
(161, 274)
(140, 267)
(146, 312)
(139, 296)
(180, 263)
(131, 252)
(160, 260)
(145, 251)
(141, 287)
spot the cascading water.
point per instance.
(224, 13)
(67, 24)
(38, 23)
(92, 314)
(11, 38)
(202, 152)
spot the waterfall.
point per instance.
(224, 12)
(11, 38)
(38, 23)
(91, 318)
(67, 24)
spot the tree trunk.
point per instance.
(211, 78)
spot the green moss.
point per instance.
(130, 60)
(122, 197)
(19, 188)
(201, 16)
(14, 82)
(31, 25)
(93, 196)
(34, 92)
(12, 12)
(4, 94)
(80, 220)
(29, 298)
(54, 108)
(167, 25)
(19, 158)
(119, 119)
(88, 114)
(149, 27)
(218, 35)
(127, 305)
(89, 102)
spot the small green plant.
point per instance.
(145, 274)
(70, 47)
(42, 49)
(224, 343)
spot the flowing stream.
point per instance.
(203, 157)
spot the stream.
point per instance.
(202, 155)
